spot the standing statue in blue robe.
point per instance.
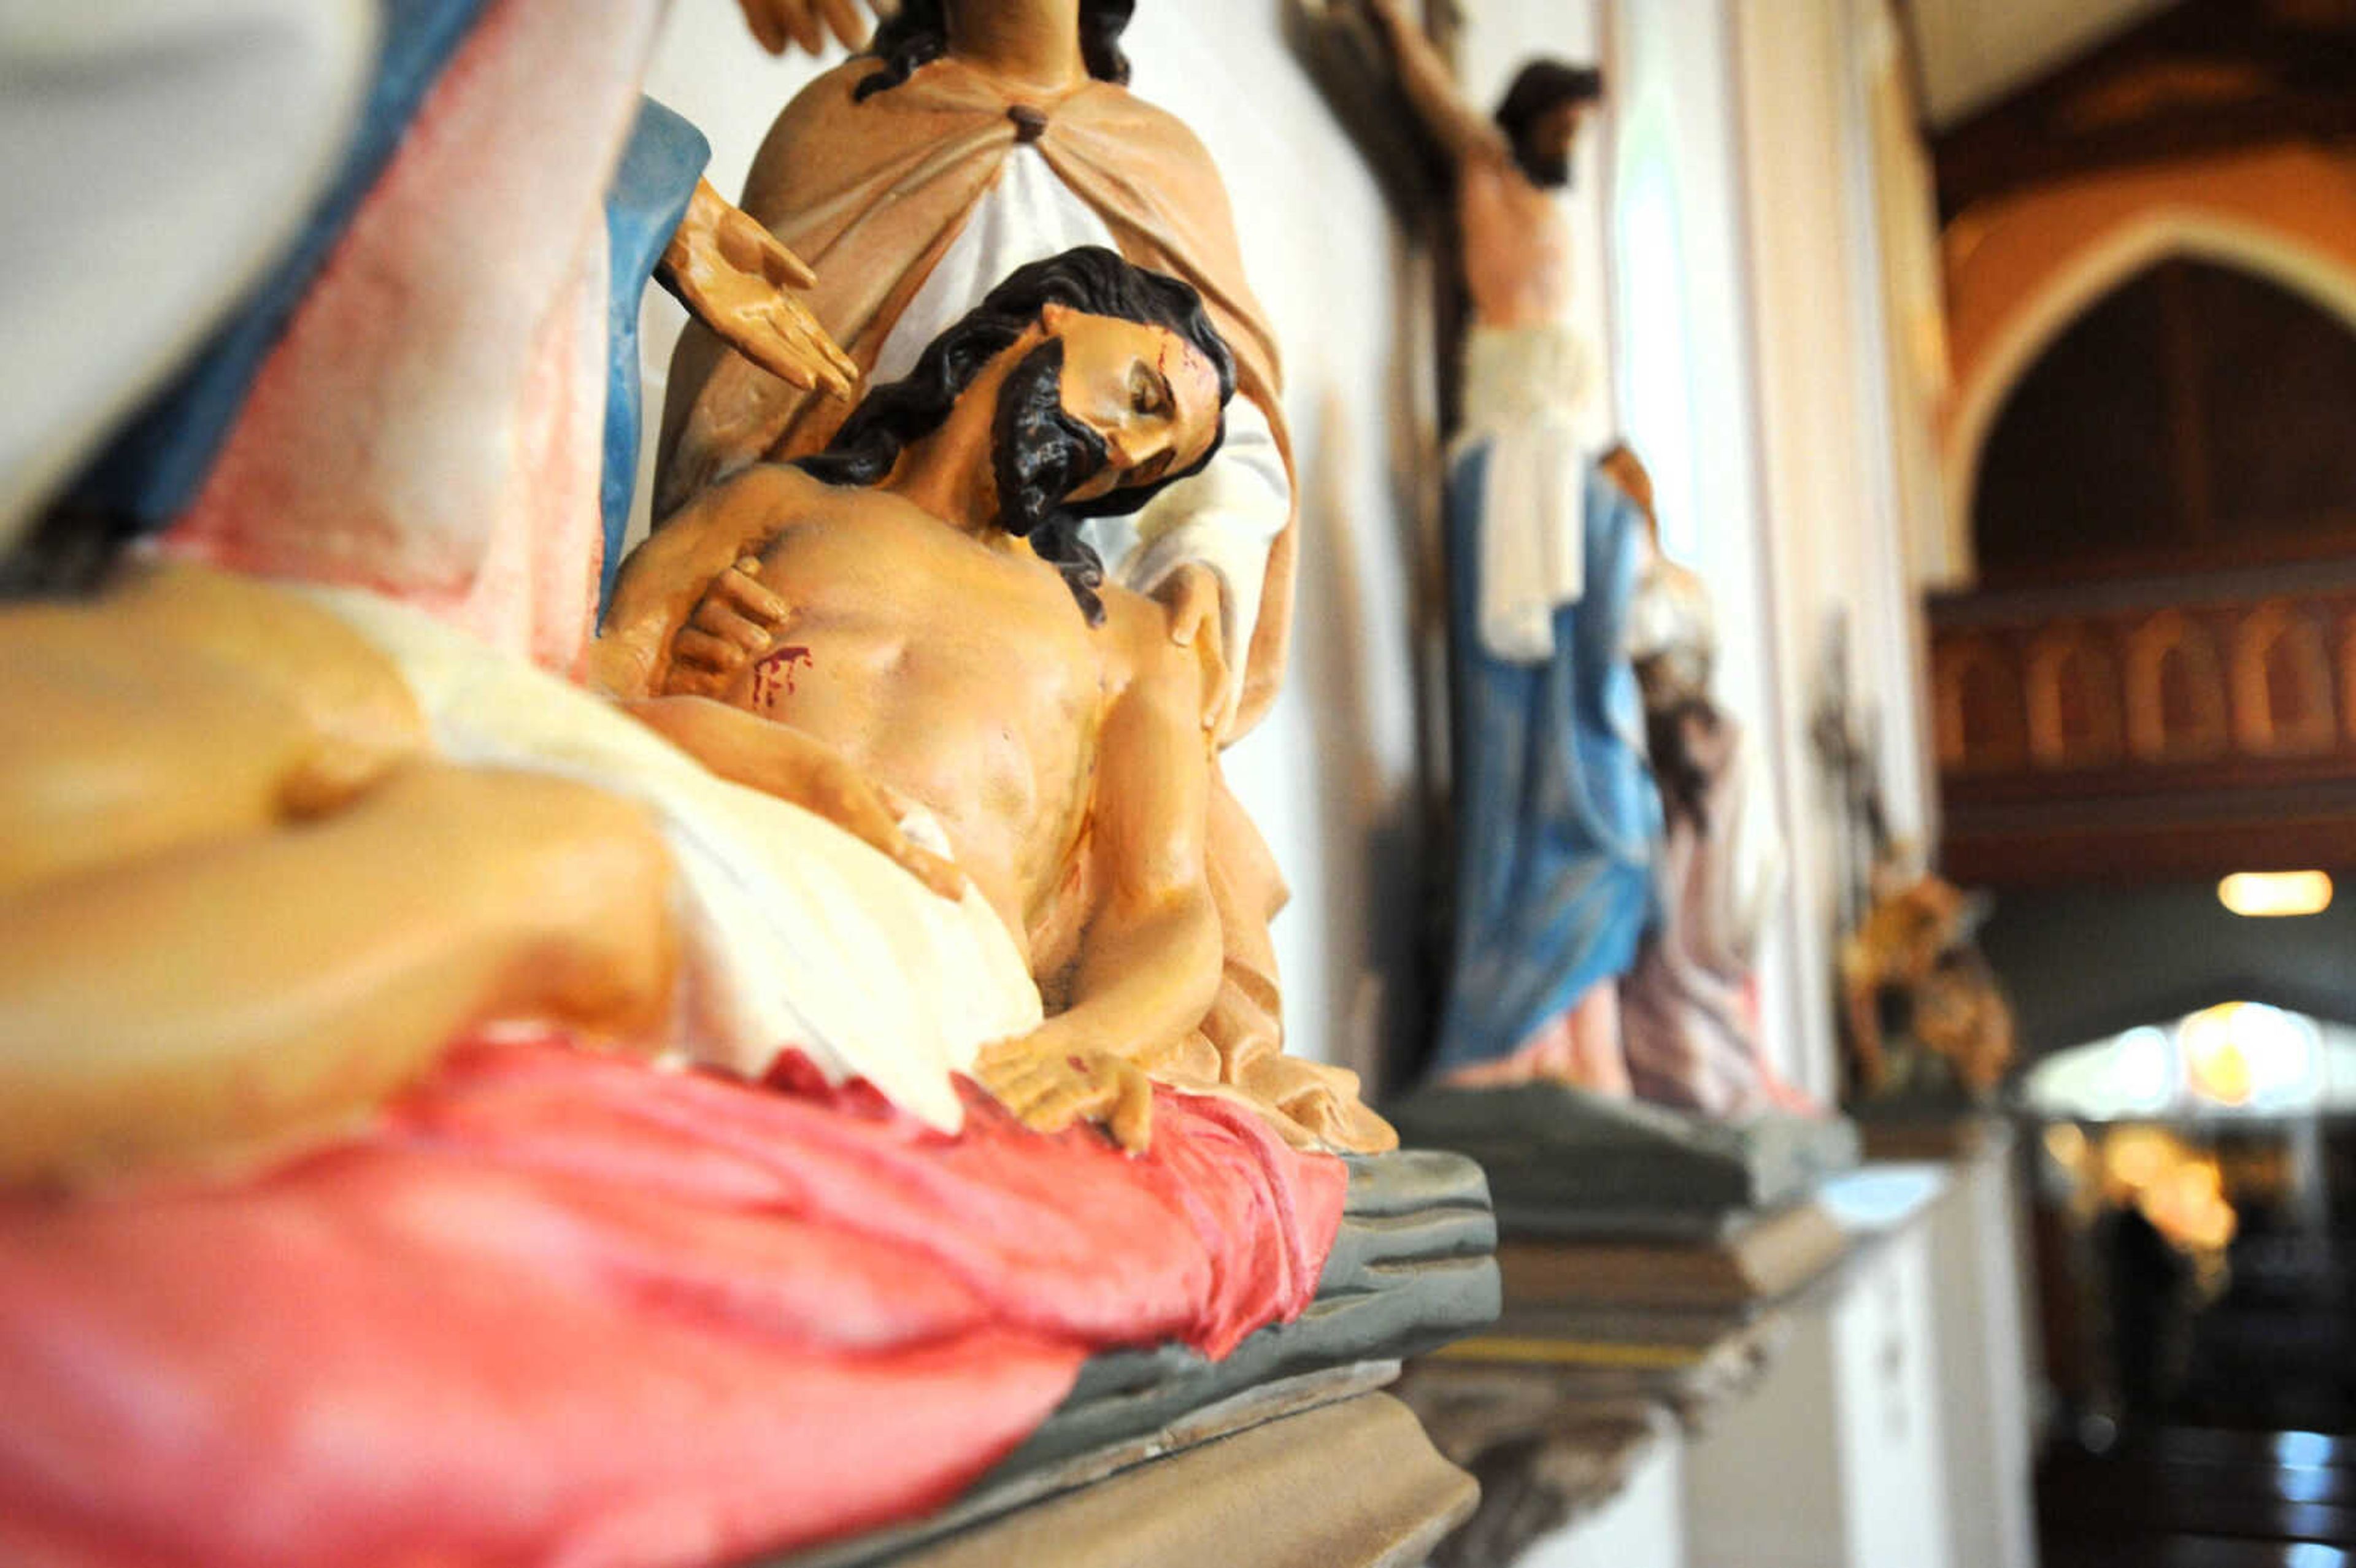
(1556, 813)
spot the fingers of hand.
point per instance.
(740, 590)
(699, 649)
(805, 25)
(783, 339)
(1042, 1088)
(781, 266)
(1191, 594)
(1051, 1106)
(853, 805)
(1131, 1121)
(941, 876)
(849, 25)
(767, 31)
(738, 634)
(742, 244)
(694, 680)
(844, 366)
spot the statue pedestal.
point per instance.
(1354, 1484)
(1608, 1347)
(1413, 1267)
(1945, 1129)
(1565, 1164)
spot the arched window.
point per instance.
(2197, 416)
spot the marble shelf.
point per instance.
(1555, 1408)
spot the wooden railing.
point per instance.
(2165, 726)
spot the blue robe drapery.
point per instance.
(151, 472)
(1556, 809)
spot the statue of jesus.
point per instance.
(923, 625)
(405, 834)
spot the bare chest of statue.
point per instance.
(1516, 248)
(959, 672)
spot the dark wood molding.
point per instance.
(2202, 78)
(2137, 731)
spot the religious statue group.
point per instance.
(451, 957)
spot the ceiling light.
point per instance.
(2260, 893)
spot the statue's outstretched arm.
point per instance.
(1430, 87)
(1151, 949)
(777, 23)
(658, 598)
(779, 760)
(740, 281)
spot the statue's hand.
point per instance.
(1191, 595)
(871, 814)
(774, 23)
(777, 759)
(1049, 1086)
(736, 622)
(1392, 19)
(739, 280)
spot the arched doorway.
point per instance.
(2197, 416)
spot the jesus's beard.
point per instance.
(1040, 455)
(1546, 171)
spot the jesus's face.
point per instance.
(1152, 396)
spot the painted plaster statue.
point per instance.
(973, 139)
(1556, 813)
(1688, 1010)
(932, 630)
(1924, 1019)
(1926, 1031)
(946, 661)
(357, 945)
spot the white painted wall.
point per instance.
(1837, 1460)
(1979, 1321)
(1833, 512)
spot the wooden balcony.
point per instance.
(2152, 729)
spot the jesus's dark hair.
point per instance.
(920, 34)
(1090, 279)
(1539, 86)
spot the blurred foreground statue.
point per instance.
(1688, 1010)
(1926, 1031)
(416, 1069)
